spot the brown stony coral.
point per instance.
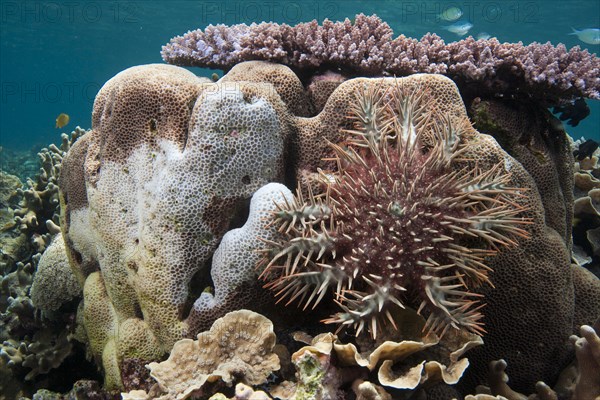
(579, 381)
(403, 222)
(539, 299)
(537, 140)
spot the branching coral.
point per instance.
(367, 47)
(16, 306)
(402, 222)
(38, 215)
(31, 345)
(42, 353)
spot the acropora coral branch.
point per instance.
(367, 46)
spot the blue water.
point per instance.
(55, 55)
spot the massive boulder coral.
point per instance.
(54, 283)
(148, 194)
(171, 163)
(406, 221)
(536, 139)
(234, 273)
(529, 279)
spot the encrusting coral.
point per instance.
(366, 46)
(404, 212)
(409, 359)
(403, 364)
(316, 375)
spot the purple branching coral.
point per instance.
(401, 222)
(367, 47)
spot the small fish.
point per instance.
(574, 112)
(586, 149)
(483, 36)
(62, 120)
(589, 36)
(451, 14)
(461, 28)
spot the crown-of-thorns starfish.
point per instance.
(402, 222)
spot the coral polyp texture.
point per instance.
(402, 222)
(148, 194)
(366, 46)
(154, 197)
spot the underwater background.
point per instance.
(149, 218)
(56, 55)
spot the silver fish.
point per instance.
(589, 36)
(451, 14)
(461, 28)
